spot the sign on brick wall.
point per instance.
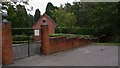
(36, 32)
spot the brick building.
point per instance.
(52, 25)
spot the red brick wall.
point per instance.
(0, 44)
(7, 53)
(58, 44)
(37, 38)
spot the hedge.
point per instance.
(75, 30)
(18, 31)
(21, 38)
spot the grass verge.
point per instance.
(107, 44)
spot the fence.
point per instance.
(24, 44)
(24, 50)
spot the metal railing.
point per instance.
(24, 50)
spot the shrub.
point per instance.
(20, 31)
(21, 38)
(75, 30)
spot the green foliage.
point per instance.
(63, 18)
(22, 32)
(56, 35)
(17, 39)
(118, 6)
(22, 16)
(17, 14)
(50, 7)
(12, 15)
(31, 21)
(102, 18)
(75, 30)
(79, 9)
(37, 15)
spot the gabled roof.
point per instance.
(48, 17)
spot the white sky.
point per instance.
(41, 4)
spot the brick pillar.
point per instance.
(45, 39)
(0, 44)
(7, 53)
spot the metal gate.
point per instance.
(24, 48)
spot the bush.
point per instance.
(21, 38)
(18, 31)
(22, 35)
(75, 30)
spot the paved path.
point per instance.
(84, 56)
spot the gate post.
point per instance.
(7, 53)
(45, 38)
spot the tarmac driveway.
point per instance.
(92, 55)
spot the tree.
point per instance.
(12, 16)
(50, 8)
(75, 9)
(104, 18)
(31, 20)
(23, 20)
(37, 15)
(67, 7)
(118, 5)
(63, 18)
(17, 14)
(80, 10)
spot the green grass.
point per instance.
(71, 35)
(108, 44)
(56, 35)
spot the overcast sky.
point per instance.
(41, 4)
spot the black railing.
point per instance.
(22, 38)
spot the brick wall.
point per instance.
(0, 44)
(57, 44)
(45, 40)
(7, 53)
(37, 38)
